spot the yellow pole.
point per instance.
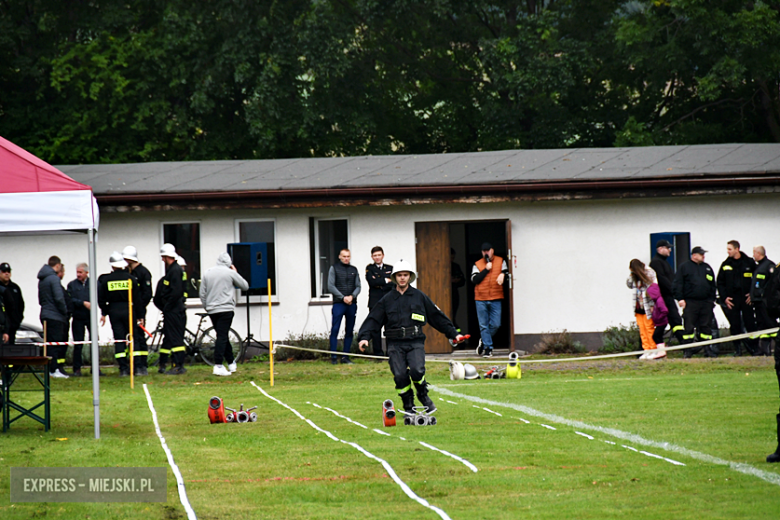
(270, 333)
(130, 309)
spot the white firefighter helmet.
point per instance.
(168, 250)
(457, 372)
(181, 261)
(401, 266)
(116, 260)
(130, 253)
(470, 372)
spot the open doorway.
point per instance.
(457, 245)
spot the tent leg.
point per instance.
(93, 332)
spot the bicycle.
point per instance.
(199, 343)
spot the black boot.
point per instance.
(422, 396)
(408, 401)
(775, 457)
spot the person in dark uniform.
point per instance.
(144, 277)
(78, 293)
(764, 321)
(665, 276)
(169, 298)
(3, 322)
(14, 302)
(54, 314)
(694, 288)
(344, 284)
(734, 280)
(379, 284)
(114, 302)
(403, 313)
(457, 280)
(772, 302)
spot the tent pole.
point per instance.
(93, 331)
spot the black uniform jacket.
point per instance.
(79, 293)
(664, 273)
(695, 282)
(112, 293)
(144, 278)
(170, 290)
(14, 304)
(411, 308)
(378, 286)
(734, 278)
(761, 276)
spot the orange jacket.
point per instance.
(488, 289)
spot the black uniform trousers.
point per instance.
(79, 326)
(140, 350)
(697, 317)
(739, 316)
(12, 335)
(376, 341)
(222, 348)
(764, 321)
(407, 362)
(174, 322)
(120, 325)
(675, 321)
(56, 331)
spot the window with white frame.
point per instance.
(185, 236)
(328, 238)
(261, 231)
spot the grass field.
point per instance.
(717, 416)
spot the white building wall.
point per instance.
(570, 257)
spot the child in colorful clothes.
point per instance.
(640, 279)
(660, 320)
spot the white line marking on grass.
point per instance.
(451, 402)
(610, 442)
(491, 411)
(585, 435)
(468, 464)
(179, 480)
(524, 420)
(334, 412)
(741, 467)
(459, 459)
(406, 489)
(548, 426)
(630, 448)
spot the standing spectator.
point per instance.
(54, 314)
(488, 275)
(764, 321)
(772, 302)
(78, 292)
(694, 287)
(379, 284)
(660, 320)
(734, 281)
(457, 280)
(13, 300)
(144, 277)
(114, 302)
(169, 298)
(665, 276)
(404, 313)
(639, 279)
(3, 324)
(218, 295)
(344, 284)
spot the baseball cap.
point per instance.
(698, 250)
(486, 246)
(5, 267)
(662, 243)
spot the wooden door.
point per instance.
(510, 261)
(433, 276)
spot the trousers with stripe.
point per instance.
(174, 322)
(56, 331)
(675, 321)
(120, 325)
(697, 318)
(407, 362)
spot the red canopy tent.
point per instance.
(37, 198)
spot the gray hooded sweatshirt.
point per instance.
(218, 286)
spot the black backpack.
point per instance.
(772, 293)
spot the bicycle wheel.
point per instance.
(207, 340)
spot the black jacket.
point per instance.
(79, 293)
(3, 320)
(170, 290)
(761, 276)
(51, 296)
(411, 308)
(694, 282)
(664, 273)
(14, 304)
(112, 294)
(735, 277)
(144, 278)
(378, 286)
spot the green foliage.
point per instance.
(559, 343)
(621, 339)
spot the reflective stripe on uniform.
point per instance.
(119, 285)
(165, 351)
(120, 355)
(140, 353)
(728, 268)
(760, 276)
(178, 349)
(404, 389)
(421, 381)
(61, 361)
(677, 328)
(689, 336)
(705, 336)
(747, 275)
